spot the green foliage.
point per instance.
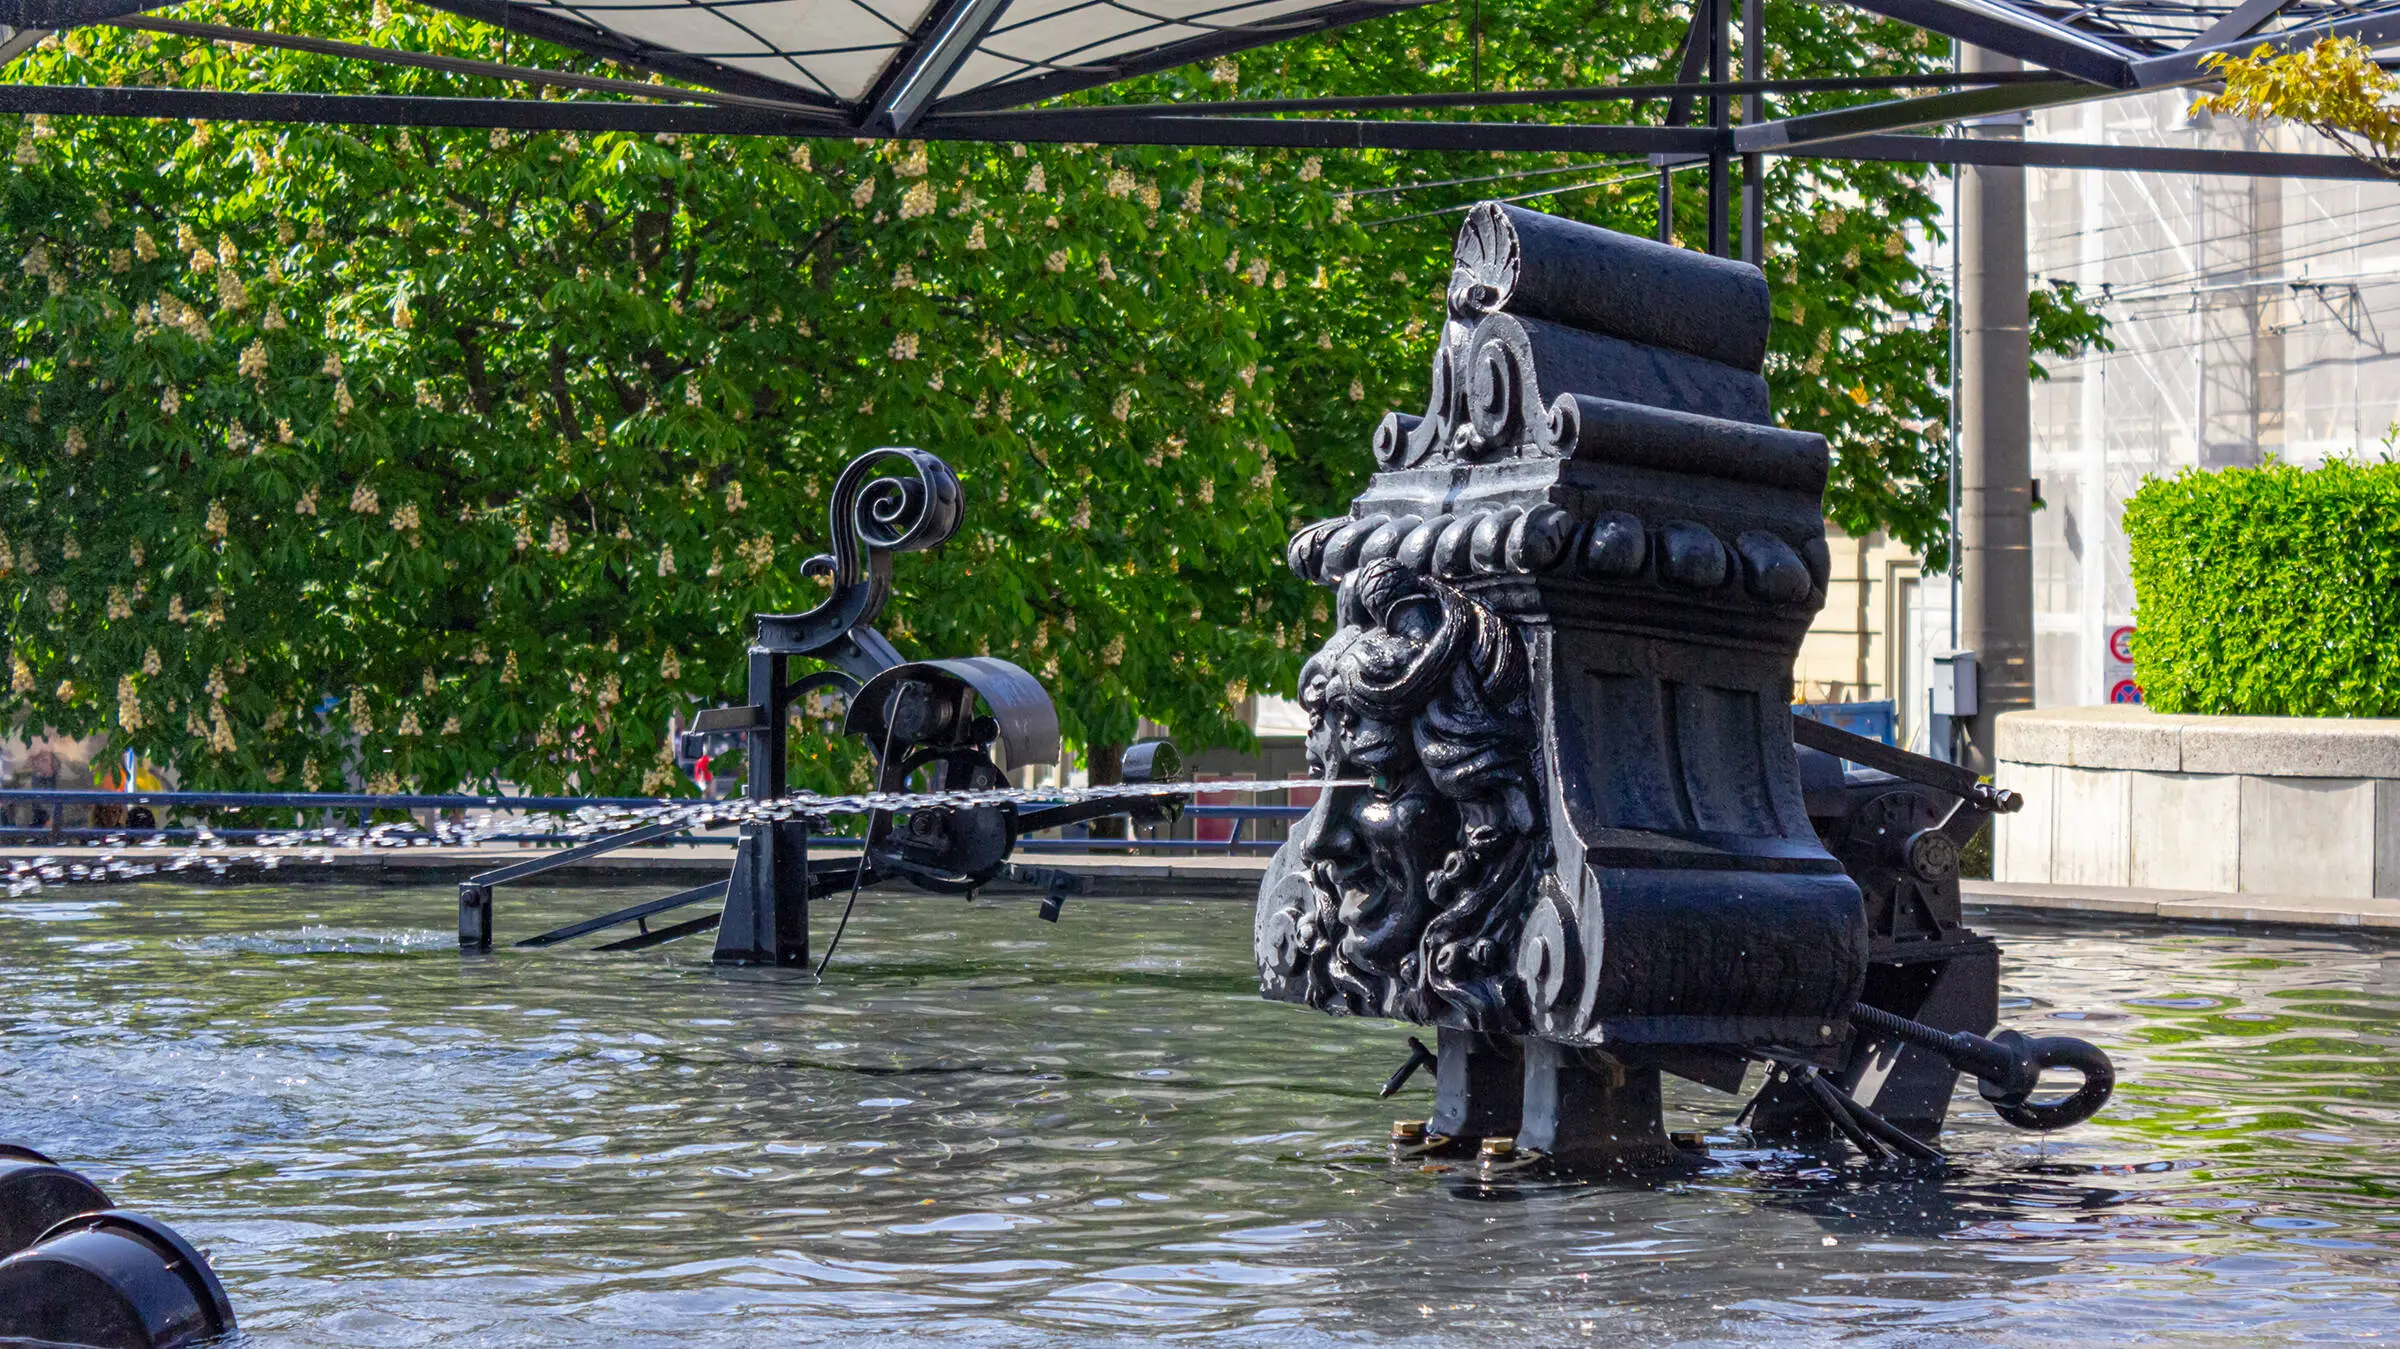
(2272, 591)
(497, 441)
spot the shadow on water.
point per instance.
(984, 1129)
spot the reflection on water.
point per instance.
(985, 1129)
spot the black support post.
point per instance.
(1479, 1085)
(1585, 1107)
(474, 917)
(1720, 116)
(766, 903)
(1754, 111)
(764, 773)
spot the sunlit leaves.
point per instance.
(2335, 86)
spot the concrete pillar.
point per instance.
(1995, 458)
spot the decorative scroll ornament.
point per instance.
(872, 514)
(1403, 898)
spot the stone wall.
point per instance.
(2122, 796)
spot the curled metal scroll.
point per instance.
(888, 500)
(870, 514)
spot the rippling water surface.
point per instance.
(985, 1129)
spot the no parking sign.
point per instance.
(2119, 673)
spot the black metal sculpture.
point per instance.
(930, 726)
(1569, 604)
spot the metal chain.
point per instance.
(135, 860)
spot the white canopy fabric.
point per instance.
(889, 62)
(841, 49)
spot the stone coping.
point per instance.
(2134, 737)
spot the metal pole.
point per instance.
(1720, 116)
(1666, 206)
(1754, 111)
(1995, 517)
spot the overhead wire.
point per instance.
(1524, 196)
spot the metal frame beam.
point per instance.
(1902, 149)
(2187, 66)
(1325, 133)
(2239, 23)
(911, 83)
(698, 119)
(2015, 33)
(1908, 113)
(515, 114)
(15, 42)
(1596, 93)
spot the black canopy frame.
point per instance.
(933, 77)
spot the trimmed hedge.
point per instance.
(2271, 591)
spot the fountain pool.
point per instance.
(988, 1130)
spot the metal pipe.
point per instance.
(1995, 473)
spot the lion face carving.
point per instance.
(1403, 898)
